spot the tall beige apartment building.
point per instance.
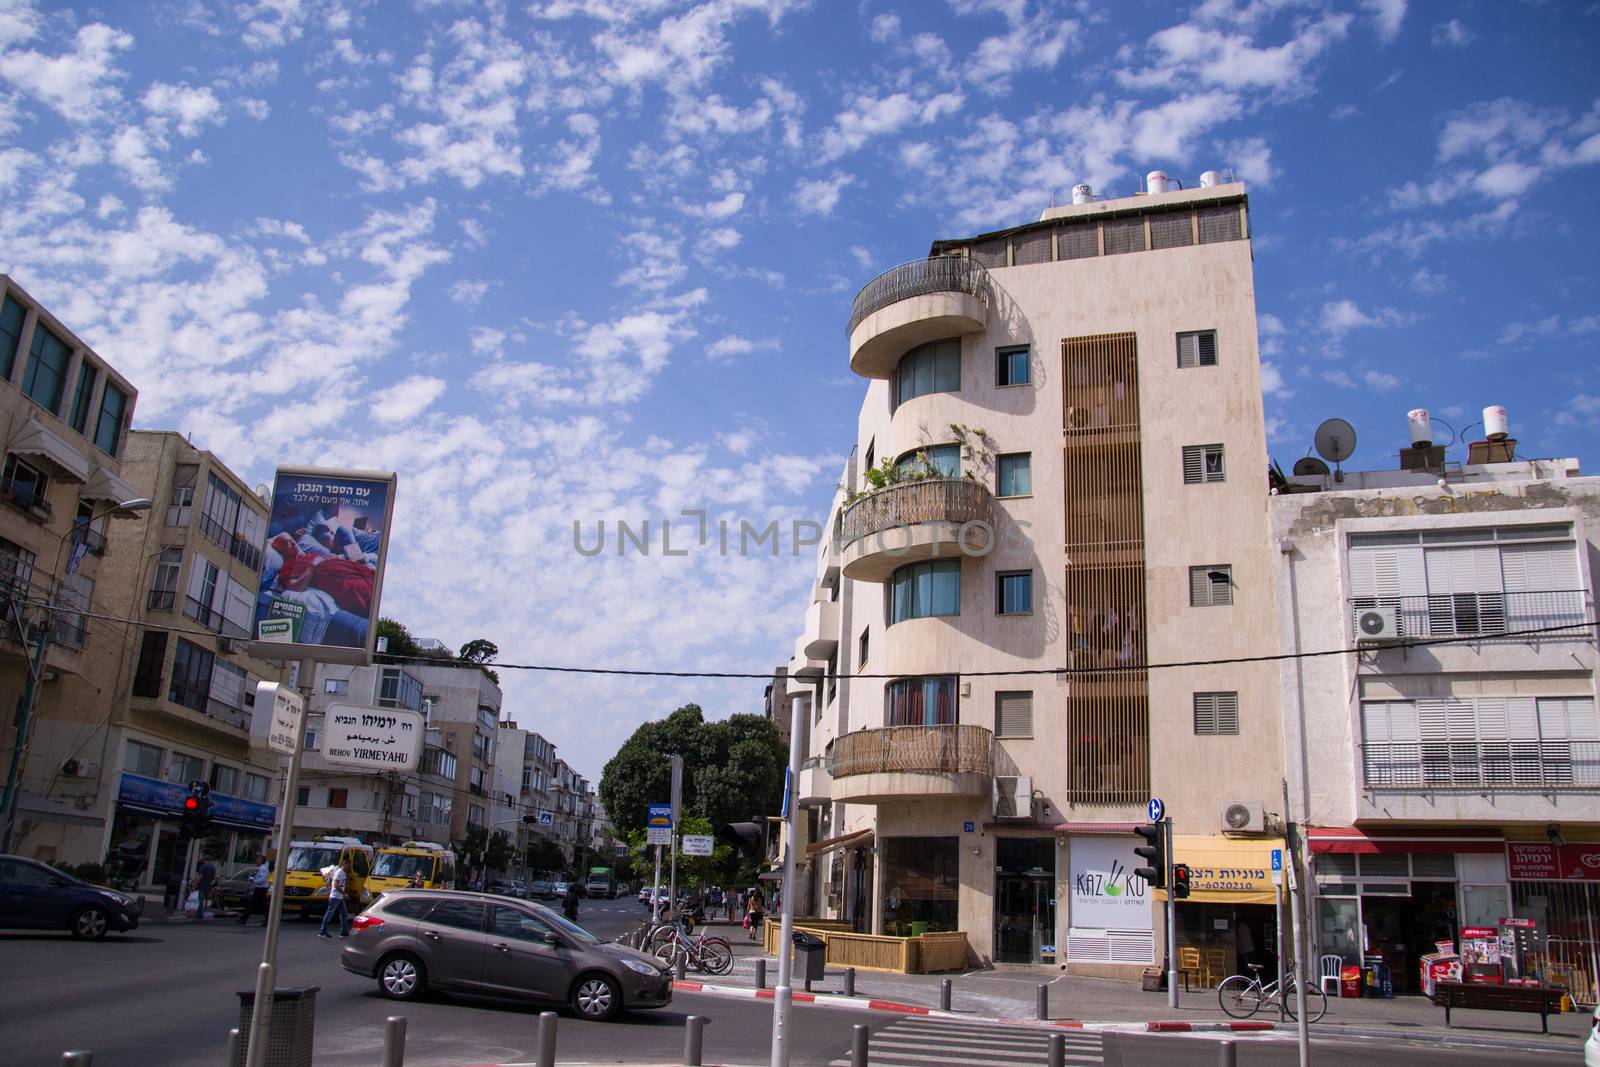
(1058, 485)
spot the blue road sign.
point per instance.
(1277, 859)
(788, 787)
(968, 826)
(547, 818)
(1157, 809)
(659, 815)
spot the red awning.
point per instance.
(1024, 826)
(1351, 839)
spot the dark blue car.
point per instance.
(34, 896)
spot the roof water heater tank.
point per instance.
(1156, 182)
(1421, 428)
(1210, 178)
(1495, 425)
(1082, 194)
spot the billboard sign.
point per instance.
(378, 739)
(322, 567)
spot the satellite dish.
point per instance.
(1310, 466)
(1335, 442)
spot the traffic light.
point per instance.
(1180, 881)
(202, 814)
(745, 837)
(191, 814)
(1154, 850)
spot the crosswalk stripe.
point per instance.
(920, 1041)
(1004, 1041)
(906, 1059)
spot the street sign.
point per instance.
(1157, 809)
(199, 788)
(658, 824)
(788, 787)
(380, 739)
(697, 844)
(1277, 859)
(547, 818)
(279, 718)
(968, 826)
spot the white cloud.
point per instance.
(1341, 316)
(657, 261)
(1189, 51)
(469, 292)
(819, 196)
(1553, 326)
(189, 109)
(739, 442)
(407, 399)
(1272, 381)
(1387, 15)
(1428, 282)
(1252, 161)
(1380, 381)
(1452, 34)
(726, 349)
(79, 84)
(867, 116)
(1506, 179)
(130, 151)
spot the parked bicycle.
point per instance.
(712, 955)
(1244, 995)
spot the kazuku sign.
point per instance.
(380, 739)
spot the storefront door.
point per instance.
(1404, 929)
(1025, 900)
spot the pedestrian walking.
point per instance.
(338, 886)
(730, 901)
(259, 883)
(569, 903)
(205, 876)
(755, 913)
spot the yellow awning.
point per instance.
(1227, 870)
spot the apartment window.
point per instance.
(82, 395)
(25, 485)
(443, 764)
(229, 684)
(1476, 741)
(16, 568)
(869, 459)
(42, 382)
(185, 768)
(410, 805)
(1198, 349)
(1216, 713)
(1014, 593)
(255, 787)
(220, 516)
(184, 476)
(1219, 222)
(313, 736)
(164, 585)
(1013, 714)
(338, 798)
(477, 780)
(923, 590)
(922, 701)
(337, 686)
(191, 676)
(152, 658)
(142, 759)
(1011, 366)
(931, 368)
(833, 679)
(935, 461)
(862, 645)
(475, 815)
(1014, 474)
(108, 427)
(1203, 463)
(397, 689)
(72, 601)
(1124, 235)
(224, 779)
(1210, 586)
(12, 317)
(303, 796)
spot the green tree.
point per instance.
(401, 645)
(733, 769)
(482, 652)
(545, 856)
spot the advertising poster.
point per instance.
(1106, 894)
(322, 568)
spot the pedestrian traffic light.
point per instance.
(1155, 851)
(1180, 881)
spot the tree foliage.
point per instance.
(545, 856)
(733, 769)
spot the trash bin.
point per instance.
(810, 957)
(918, 929)
(294, 1018)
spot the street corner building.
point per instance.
(1063, 579)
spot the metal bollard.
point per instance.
(944, 994)
(77, 1058)
(694, 1040)
(761, 974)
(680, 966)
(235, 1047)
(858, 1046)
(1227, 1055)
(849, 981)
(394, 1041)
(1058, 1050)
(547, 1039)
(1042, 1003)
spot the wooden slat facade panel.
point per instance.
(1108, 709)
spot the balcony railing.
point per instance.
(228, 713)
(920, 277)
(70, 630)
(26, 496)
(219, 534)
(212, 619)
(949, 749)
(1485, 614)
(161, 600)
(246, 553)
(1425, 766)
(92, 539)
(955, 500)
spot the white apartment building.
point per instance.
(1059, 466)
(1453, 782)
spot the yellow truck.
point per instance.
(305, 889)
(420, 864)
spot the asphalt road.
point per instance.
(165, 997)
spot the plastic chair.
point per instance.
(1328, 968)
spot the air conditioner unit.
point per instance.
(1244, 817)
(1378, 623)
(1088, 416)
(1013, 797)
(229, 645)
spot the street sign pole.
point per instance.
(782, 995)
(1172, 923)
(677, 821)
(655, 890)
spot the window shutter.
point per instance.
(1078, 241)
(1199, 587)
(197, 579)
(990, 253)
(1206, 343)
(1172, 230)
(1014, 714)
(1227, 713)
(1031, 247)
(1124, 235)
(1205, 713)
(1216, 713)
(1188, 350)
(1538, 568)
(1219, 223)
(1193, 465)
(238, 605)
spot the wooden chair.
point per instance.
(1189, 964)
(1216, 966)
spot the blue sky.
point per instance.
(573, 260)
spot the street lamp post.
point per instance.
(30, 692)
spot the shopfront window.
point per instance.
(921, 876)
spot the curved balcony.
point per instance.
(897, 762)
(822, 629)
(927, 519)
(916, 302)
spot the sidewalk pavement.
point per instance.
(1010, 993)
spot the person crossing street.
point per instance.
(338, 885)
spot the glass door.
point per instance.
(1025, 900)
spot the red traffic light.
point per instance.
(191, 803)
